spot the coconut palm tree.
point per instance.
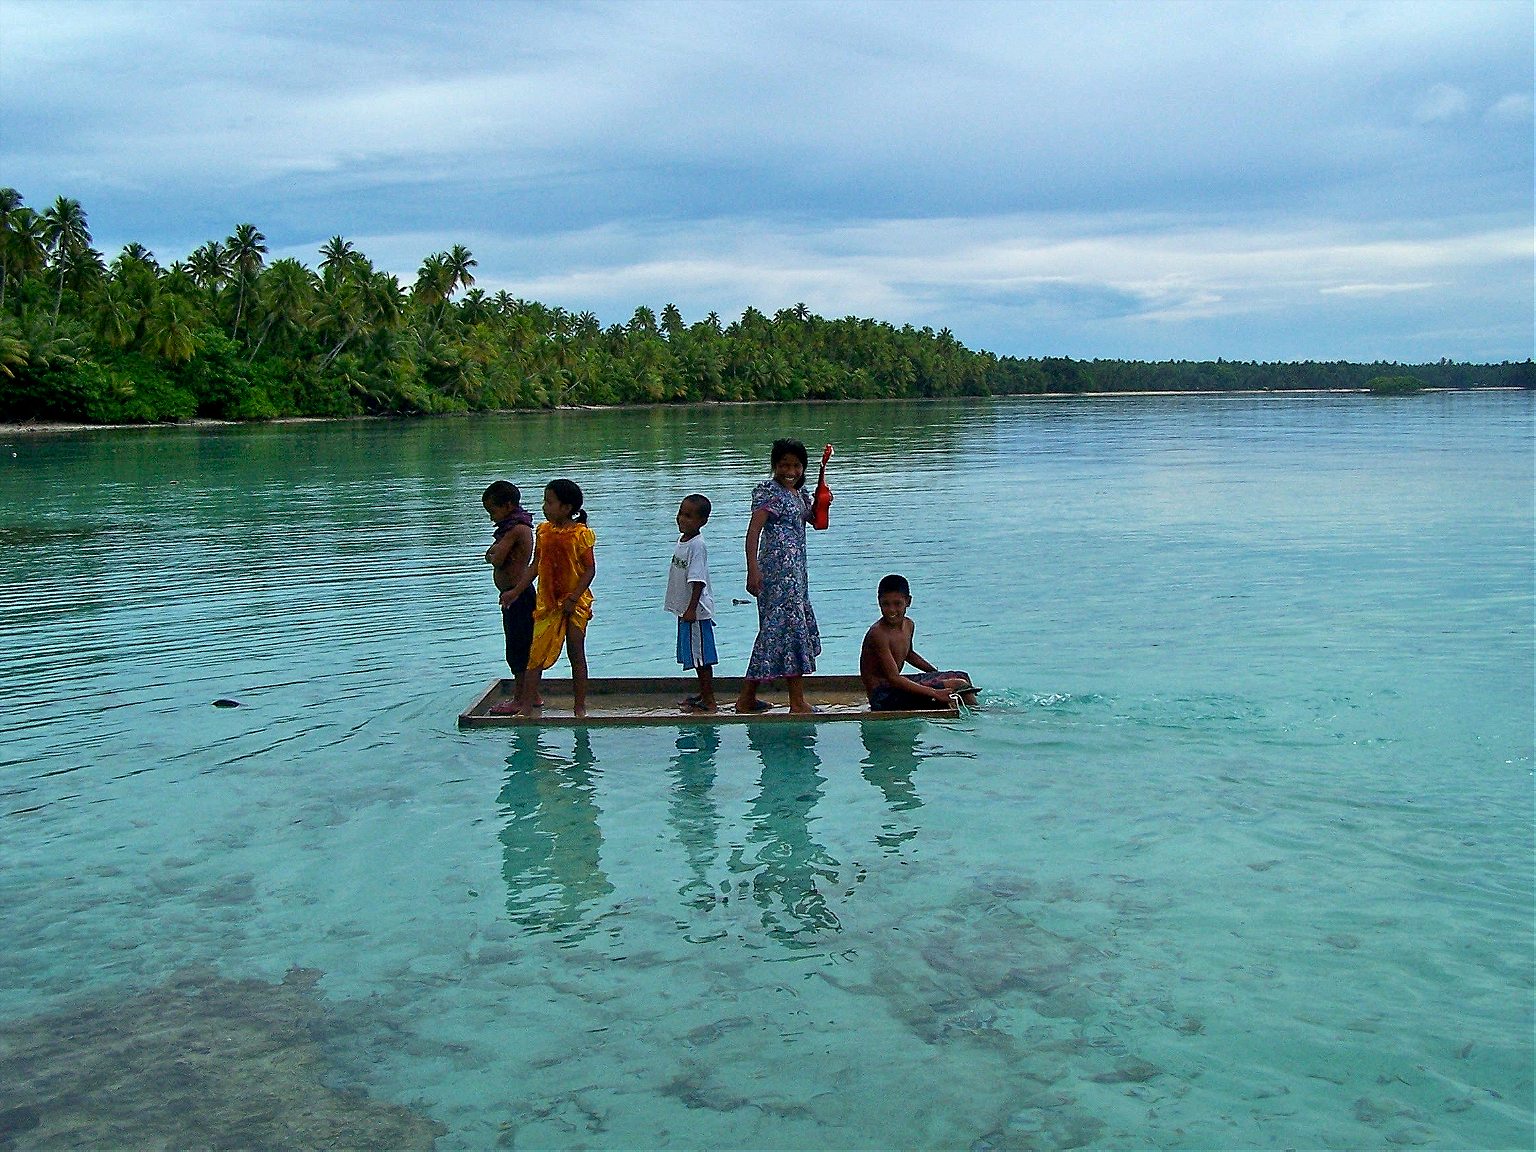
(246, 247)
(21, 242)
(339, 260)
(65, 235)
(459, 264)
(286, 294)
(169, 332)
(209, 266)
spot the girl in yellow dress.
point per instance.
(562, 554)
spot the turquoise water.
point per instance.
(1240, 852)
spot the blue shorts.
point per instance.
(696, 643)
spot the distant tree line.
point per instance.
(226, 334)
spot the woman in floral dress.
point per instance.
(788, 640)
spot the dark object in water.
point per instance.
(226, 702)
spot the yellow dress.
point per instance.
(562, 551)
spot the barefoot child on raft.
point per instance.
(888, 648)
(566, 568)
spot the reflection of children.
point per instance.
(563, 609)
(509, 555)
(788, 640)
(888, 647)
(689, 599)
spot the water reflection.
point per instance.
(693, 814)
(892, 757)
(789, 867)
(551, 842)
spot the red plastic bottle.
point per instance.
(821, 504)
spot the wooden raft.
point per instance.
(633, 700)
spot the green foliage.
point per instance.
(225, 335)
(1394, 385)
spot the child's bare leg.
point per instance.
(530, 693)
(746, 701)
(576, 645)
(797, 694)
(706, 687)
(524, 695)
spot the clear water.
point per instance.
(1240, 852)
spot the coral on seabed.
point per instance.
(200, 1061)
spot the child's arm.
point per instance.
(520, 585)
(523, 578)
(496, 555)
(691, 613)
(914, 659)
(588, 574)
(754, 533)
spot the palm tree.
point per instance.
(338, 259)
(65, 234)
(135, 253)
(246, 246)
(209, 266)
(286, 293)
(459, 264)
(375, 306)
(20, 240)
(169, 333)
(116, 318)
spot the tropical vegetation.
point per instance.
(225, 333)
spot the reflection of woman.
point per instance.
(893, 757)
(786, 861)
(551, 840)
(692, 813)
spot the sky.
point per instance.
(1240, 179)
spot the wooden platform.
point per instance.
(656, 700)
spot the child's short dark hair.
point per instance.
(700, 504)
(894, 583)
(501, 493)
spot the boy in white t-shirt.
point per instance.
(689, 599)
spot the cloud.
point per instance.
(1441, 103)
(1099, 170)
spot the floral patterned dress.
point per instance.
(788, 640)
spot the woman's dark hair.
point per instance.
(568, 492)
(790, 447)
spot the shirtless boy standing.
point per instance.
(509, 556)
(888, 648)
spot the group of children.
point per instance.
(545, 578)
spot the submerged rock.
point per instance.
(199, 1058)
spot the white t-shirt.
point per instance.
(690, 565)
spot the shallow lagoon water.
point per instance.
(1239, 853)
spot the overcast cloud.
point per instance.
(1142, 180)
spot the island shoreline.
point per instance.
(45, 427)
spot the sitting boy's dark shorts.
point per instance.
(888, 699)
(517, 623)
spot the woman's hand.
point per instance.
(754, 581)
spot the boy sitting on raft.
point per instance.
(888, 647)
